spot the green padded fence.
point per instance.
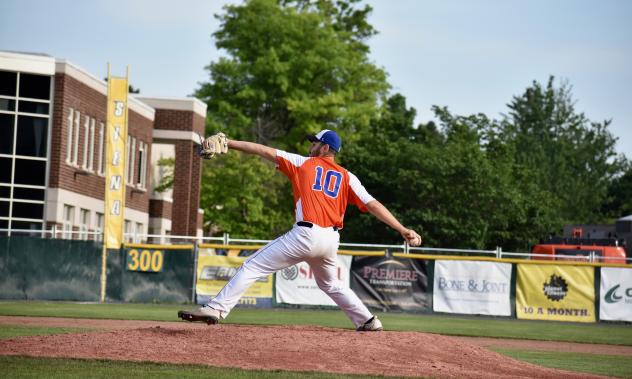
(151, 273)
(45, 269)
(33, 268)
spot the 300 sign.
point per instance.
(146, 260)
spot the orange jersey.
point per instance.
(321, 188)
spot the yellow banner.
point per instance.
(550, 292)
(116, 139)
(214, 271)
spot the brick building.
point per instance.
(52, 153)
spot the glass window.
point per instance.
(33, 107)
(101, 157)
(31, 172)
(6, 133)
(8, 80)
(84, 223)
(27, 210)
(75, 142)
(35, 86)
(132, 162)
(139, 171)
(28, 193)
(4, 224)
(5, 192)
(138, 232)
(31, 139)
(28, 225)
(86, 136)
(128, 162)
(70, 134)
(99, 228)
(69, 217)
(7, 105)
(6, 168)
(128, 231)
(91, 146)
(4, 209)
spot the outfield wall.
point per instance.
(44, 269)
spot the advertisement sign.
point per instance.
(214, 271)
(615, 302)
(469, 287)
(391, 283)
(296, 284)
(116, 138)
(550, 292)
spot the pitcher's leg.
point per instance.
(325, 272)
(278, 254)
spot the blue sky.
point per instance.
(469, 55)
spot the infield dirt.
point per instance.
(291, 348)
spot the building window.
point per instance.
(128, 231)
(31, 136)
(9, 80)
(138, 233)
(86, 142)
(75, 142)
(91, 145)
(101, 156)
(69, 143)
(132, 162)
(142, 164)
(84, 223)
(69, 217)
(99, 226)
(24, 123)
(127, 157)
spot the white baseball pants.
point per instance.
(318, 247)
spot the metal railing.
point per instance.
(226, 240)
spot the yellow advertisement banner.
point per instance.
(550, 292)
(116, 138)
(214, 271)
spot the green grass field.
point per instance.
(22, 367)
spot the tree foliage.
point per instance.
(234, 202)
(474, 182)
(292, 68)
(572, 158)
(441, 181)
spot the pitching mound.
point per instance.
(292, 348)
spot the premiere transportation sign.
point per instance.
(391, 283)
(472, 288)
(550, 292)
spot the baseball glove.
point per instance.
(215, 144)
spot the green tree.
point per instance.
(167, 178)
(292, 68)
(572, 158)
(455, 183)
(619, 201)
(233, 201)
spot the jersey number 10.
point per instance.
(327, 186)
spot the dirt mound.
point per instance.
(293, 348)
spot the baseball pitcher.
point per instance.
(322, 189)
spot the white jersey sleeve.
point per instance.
(359, 189)
(295, 159)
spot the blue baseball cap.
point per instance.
(328, 137)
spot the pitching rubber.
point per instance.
(188, 316)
